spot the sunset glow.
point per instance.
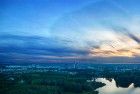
(121, 46)
(49, 30)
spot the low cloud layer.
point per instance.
(125, 45)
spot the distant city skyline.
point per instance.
(106, 31)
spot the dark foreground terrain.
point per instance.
(62, 79)
(47, 83)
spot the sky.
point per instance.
(98, 31)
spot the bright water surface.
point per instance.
(111, 88)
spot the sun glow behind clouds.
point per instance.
(122, 45)
(102, 31)
(83, 29)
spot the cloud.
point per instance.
(100, 28)
(24, 48)
(123, 43)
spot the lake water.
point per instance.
(111, 88)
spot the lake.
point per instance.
(111, 88)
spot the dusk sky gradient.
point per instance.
(98, 31)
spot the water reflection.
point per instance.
(111, 88)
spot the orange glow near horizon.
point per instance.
(115, 53)
(121, 46)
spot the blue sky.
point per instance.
(65, 30)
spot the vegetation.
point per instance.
(47, 83)
(64, 81)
